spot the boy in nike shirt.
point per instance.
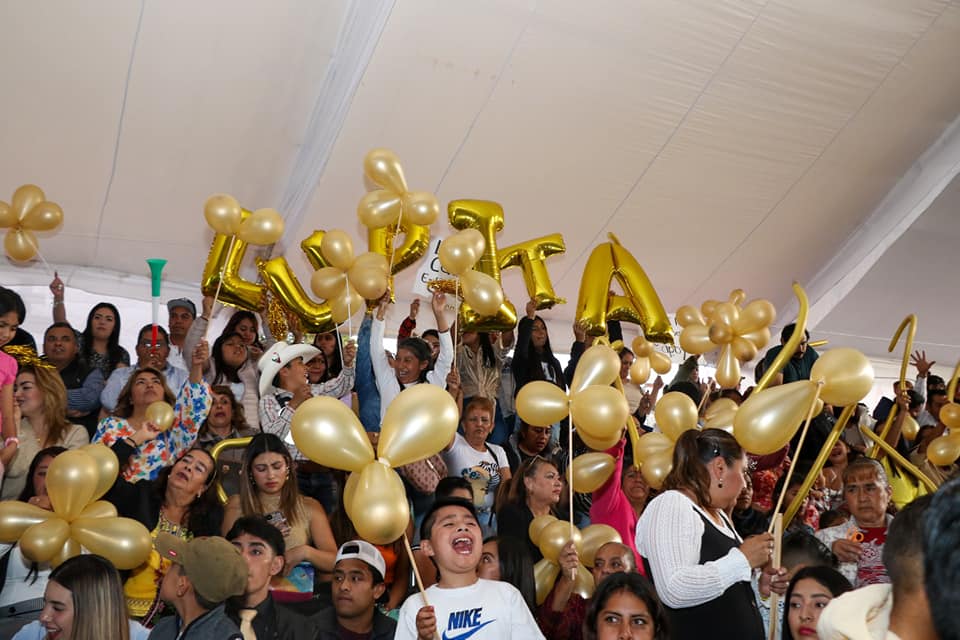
(462, 606)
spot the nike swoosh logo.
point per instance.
(467, 634)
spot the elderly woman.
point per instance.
(145, 387)
(534, 491)
(699, 564)
(41, 407)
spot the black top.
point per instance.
(524, 369)
(74, 375)
(732, 616)
(514, 521)
(384, 628)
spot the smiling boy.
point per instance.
(462, 605)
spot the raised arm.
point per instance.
(56, 288)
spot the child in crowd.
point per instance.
(461, 603)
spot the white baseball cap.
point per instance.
(362, 550)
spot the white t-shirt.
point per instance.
(480, 469)
(485, 610)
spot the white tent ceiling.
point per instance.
(727, 143)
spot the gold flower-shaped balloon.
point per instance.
(739, 332)
(349, 280)
(386, 206)
(28, 211)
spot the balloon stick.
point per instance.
(416, 574)
(776, 560)
(216, 293)
(803, 436)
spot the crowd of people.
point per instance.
(868, 555)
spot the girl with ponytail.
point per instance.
(701, 568)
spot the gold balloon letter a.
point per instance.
(641, 304)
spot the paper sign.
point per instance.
(430, 269)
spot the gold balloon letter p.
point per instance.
(641, 304)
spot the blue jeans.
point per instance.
(368, 396)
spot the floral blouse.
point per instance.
(193, 405)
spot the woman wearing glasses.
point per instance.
(701, 568)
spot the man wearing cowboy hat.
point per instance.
(284, 386)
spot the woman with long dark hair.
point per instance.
(810, 590)
(534, 491)
(699, 564)
(100, 339)
(507, 559)
(625, 605)
(533, 358)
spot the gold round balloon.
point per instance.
(642, 347)
(688, 315)
(26, 197)
(640, 370)
(7, 216)
(599, 412)
(675, 413)
(262, 227)
(421, 207)
(369, 281)
(544, 575)
(541, 403)
(767, 421)
(328, 282)
(660, 362)
(160, 414)
(599, 365)
(379, 511)
(910, 429)
(847, 376)
(950, 415)
(72, 481)
(337, 249)
(418, 423)
(346, 305)
(591, 471)
(720, 414)
(656, 467)
(107, 467)
(944, 450)
(651, 442)
(537, 525)
(598, 444)
(555, 536)
(459, 252)
(594, 537)
(329, 433)
(482, 292)
(44, 540)
(123, 541)
(99, 509)
(223, 213)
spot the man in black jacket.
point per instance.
(262, 546)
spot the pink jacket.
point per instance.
(611, 507)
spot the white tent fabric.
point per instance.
(728, 143)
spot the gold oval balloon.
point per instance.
(418, 423)
(72, 480)
(594, 537)
(107, 467)
(656, 467)
(584, 584)
(99, 509)
(758, 338)
(223, 213)
(599, 365)
(695, 339)
(944, 450)
(458, 253)
(7, 217)
(16, 517)
(541, 403)
(337, 249)
(675, 413)
(329, 433)
(26, 197)
(652, 442)
(262, 227)
(481, 292)
(555, 536)
(756, 315)
(380, 511)
(382, 167)
(847, 376)
(123, 541)
(598, 444)
(537, 525)
(421, 207)
(69, 549)
(640, 370)
(909, 428)
(44, 540)
(766, 421)
(641, 347)
(743, 349)
(687, 315)
(591, 471)
(599, 412)
(369, 281)
(728, 369)
(544, 575)
(720, 415)
(160, 414)
(379, 208)
(45, 216)
(950, 415)
(660, 362)
(350, 487)
(20, 244)
(348, 304)
(328, 282)
(720, 333)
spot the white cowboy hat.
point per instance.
(277, 357)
